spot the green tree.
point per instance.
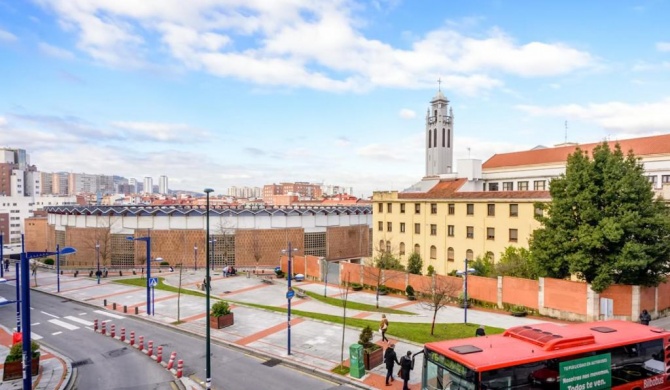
(385, 260)
(604, 224)
(414, 264)
(516, 262)
(483, 266)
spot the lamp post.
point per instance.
(146, 239)
(289, 294)
(465, 289)
(208, 373)
(97, 257)
(195, 257)
(2, 257)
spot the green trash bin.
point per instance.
(356, 365)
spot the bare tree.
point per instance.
(385, 260)
(226, 233)
(344, 292)
(256, 248)
(443, 291)
(102, 235)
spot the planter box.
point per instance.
(373, 359)
(411, 297)
(519, 313)
(357, 288)
(14, 370)
(221, 322)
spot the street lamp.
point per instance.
(195, 257)
(465, 289)
(208, 373)
(146, 239)
(211, 252)
(97, 256)
(289, 293)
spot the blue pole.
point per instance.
(58, 267)
(18, 299)
(465, 294)
(149, 310)
(290, 252)
(2, 257)
(208, 284)
(25, 320)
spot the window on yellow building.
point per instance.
(380, 226)
(450, 254)
(491, 210)
(389, 207)
(539, 212)
(470, 209)
(452, 209)
(388, 246)
(433, 208)
(514, 210)
(417, 228)
(490, 256)
(523, 186)
(539, 185)
(469, 254)
(513, 235)
(402, 248)
(490, 233)
(417, 248)
(433, 252)
(402, 227)
(417, 208)
(402, 208)
(389, 226)
(470, 232)
(508, 185)
(380, 207)
(433, 230)
(450, 230)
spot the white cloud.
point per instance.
(406, 113)
(643, 66)
(618, 117)
(54, 51)
(157, 131)
(310, 44)
(663, 46)
(3, 121)
(6, 36)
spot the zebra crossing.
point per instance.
(71, 322)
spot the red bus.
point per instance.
(586, 356)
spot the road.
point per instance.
(103, 363)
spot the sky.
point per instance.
(221, 93)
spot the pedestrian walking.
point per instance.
(383, 326)
(406, 365)
(391, 359)
(33, 267)
(480, 331)
(6, 264)
(645, 317)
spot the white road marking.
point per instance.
(50, 315)
(78, 320)
(82, 314)
(34, 323)
(109, 314)
(35, 336)
(56, 333)
(64, 324)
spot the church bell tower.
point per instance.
(439, 136)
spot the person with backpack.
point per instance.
(406, 365)
(390, 358)
(645, 317)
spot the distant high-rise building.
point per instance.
(244, 192)
(148, 185)
(46, 179)
(133, 185)
(163, 185)
(59, 183)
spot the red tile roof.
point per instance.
(448, 189)
(645, 146)
(443, 189)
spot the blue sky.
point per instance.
(220, 93)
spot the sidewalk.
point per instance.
(55, 370)
(315, 345)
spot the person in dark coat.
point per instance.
(406, 365)
(390, 358)
(645, 317)
(480, 331)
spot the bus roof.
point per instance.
(525, 344)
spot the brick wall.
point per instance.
(347, 242)
(565, 295)
(623, 299)
(517, 291)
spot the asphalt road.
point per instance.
(105, 363)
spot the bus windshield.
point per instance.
(443, 373)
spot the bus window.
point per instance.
(443, 373)
(539, 375)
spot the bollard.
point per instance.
(137, 310)
(132, 338)
(76, 273)
(159, 354)
(150, 348)
(114, 306)
(173, 356)
(95, 325)
(123, 334)
(125, 309)
(112, 330)
(141, 343)
(180, 368)
(103, 330)
(104, 302)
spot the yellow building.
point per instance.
(446, 225)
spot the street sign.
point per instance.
(153, 282)
(64, 251)
(290, 294)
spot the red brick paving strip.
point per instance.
(259, 335)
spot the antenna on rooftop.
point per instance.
(566, 132)
(468, 152)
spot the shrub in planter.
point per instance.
(49, 262)
(373, 354)
(13, 368)
(221, 315)
(356, 286)
(518, 311)
(279, 273)
(165, 263)
(409, 290)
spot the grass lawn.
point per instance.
(353, 305)
(416, 332)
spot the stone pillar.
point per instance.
(500, 292)
(540, 296)
(592, 304)
(636, 307)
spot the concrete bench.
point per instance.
(300, 293)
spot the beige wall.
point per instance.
(479, 244)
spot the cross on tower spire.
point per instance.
(439, 84)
